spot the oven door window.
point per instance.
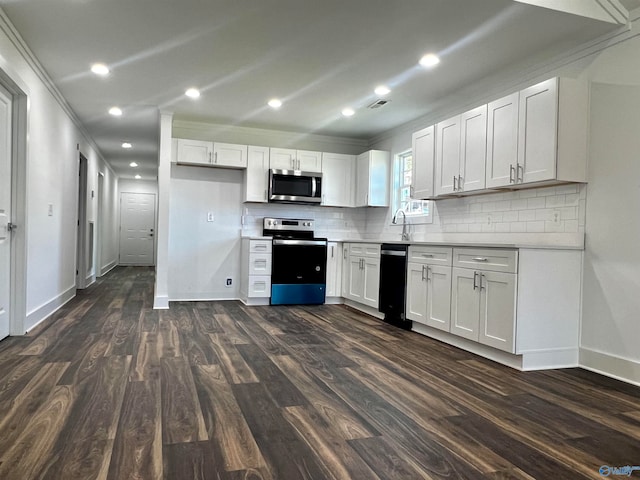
(299, 264)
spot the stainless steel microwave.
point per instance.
(294, 186)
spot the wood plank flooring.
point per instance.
(108, 388)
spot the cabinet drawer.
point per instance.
(495, 260)
(260, 264)
(430, 255)
(364, 249)
(259, 286)
(260, 246)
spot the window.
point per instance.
(403, 171)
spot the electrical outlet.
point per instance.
(50, 210)
(210, 217)
(556, 216)
(488, 219)
(229, 282)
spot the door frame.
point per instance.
(81, 226)
(20, 93)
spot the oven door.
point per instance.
(289, 186)
(298, 272)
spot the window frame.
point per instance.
(399, 176)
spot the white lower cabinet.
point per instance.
(255, 271)
(334, 269)
(429, 286)
(483, 302)
(361, 280)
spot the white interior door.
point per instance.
(5, 211)
(137, 228)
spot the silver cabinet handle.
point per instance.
(344, 253)
(210, 158)
(519, 168)
(475, 276)
(428, 267)
(512, 172)
(454, 183)
(422, 276)
(427, 255)
(481, 277)
(460, 182)
(480, 259)
(331, 251)
(215, 157)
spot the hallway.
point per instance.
(111, 389)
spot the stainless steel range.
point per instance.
(299, 262)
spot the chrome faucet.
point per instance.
(405, 234)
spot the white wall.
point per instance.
(52, 178)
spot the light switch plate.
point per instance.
(210, 217)
(50, 210)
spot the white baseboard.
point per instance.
(623, 369)
(161, 302)
(256, 301)
(364, 308)
(549, 359)
(107, 268)
(334, 301)
(38, 315)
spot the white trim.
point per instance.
(334, 301)
(364, 309)
(44, 311)
(549, 359)
(161, 302)
(205, 299)
(107, 268)
(620, 368)
(252, 302)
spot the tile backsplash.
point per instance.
(541, 216)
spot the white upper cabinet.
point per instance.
(194, 152)
(447, 156)
(473, 149)
(338, 176)
(198, 152)
(289, 159)
(423, 147)
(502, 141)
(461, 146)
(229, 155)
(257, 174)
(537, 134)
(372, 179)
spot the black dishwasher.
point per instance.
(393, 280)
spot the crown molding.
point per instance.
(10, 31)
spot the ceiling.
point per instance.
(317, 56)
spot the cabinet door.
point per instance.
(308, 161)
(371, 280)
(447, 156)
(362, 180)
(497, 310)
(346, 270)
(282, 159)
(438, 313)
(537, 135)
(423, 144)
(417, 292)
(257, 174)
(194, 152)
(334, 269)
(355, 289)
(473, 149)
(465, 303)
(338, 173)
(229, 155)
(502, 141)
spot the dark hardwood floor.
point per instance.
(110, 388)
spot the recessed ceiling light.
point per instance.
(192, 93)
(348, 112)
(115, 111)
(429, 60)
(133, 164)
(126, 145)
(275, 103)
(137, 177)
(382, 90)
(100, 69)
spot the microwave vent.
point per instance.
(378, 103)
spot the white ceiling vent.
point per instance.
(378, 103)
